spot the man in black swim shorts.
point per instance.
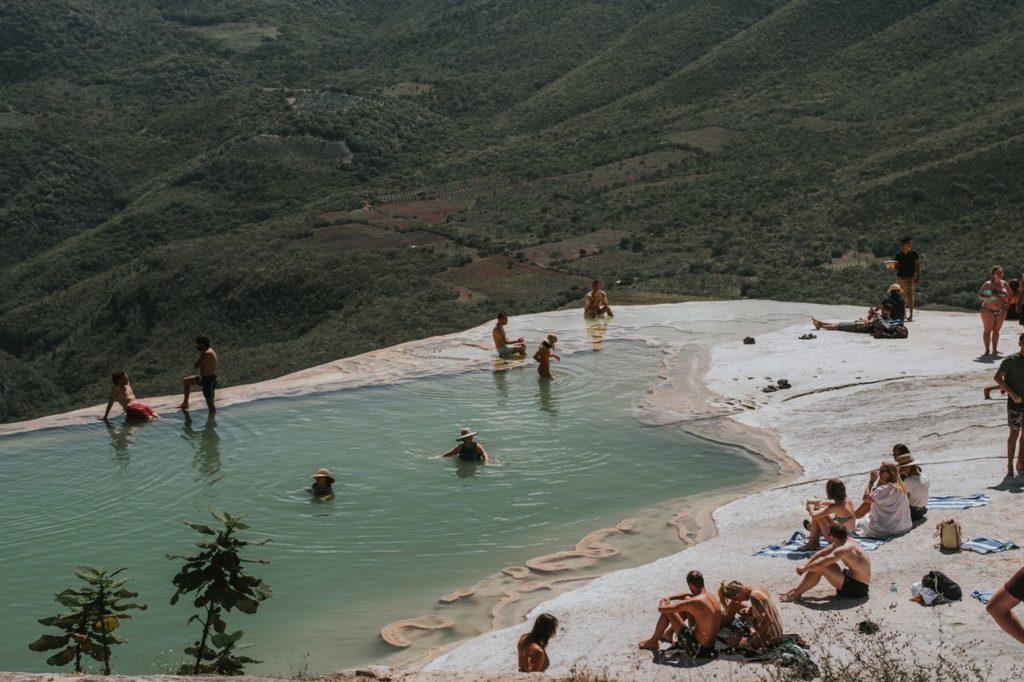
(1010, 378)
(207, 376)
(844, 563)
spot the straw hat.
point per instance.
(466, 433)
(895, 287)
(906, 460)
(323, 473)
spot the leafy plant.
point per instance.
(217, 577)
(94, 613)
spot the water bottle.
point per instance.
(892, 587)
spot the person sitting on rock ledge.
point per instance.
(916, 483)
(836, 509)
(504, 346)
(532, 646)
(695, 617)
(887, 500)
(851, 581)
(757, 609)
(596, 301)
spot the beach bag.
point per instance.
(941, 583)
(948, 532)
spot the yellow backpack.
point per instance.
(948, 532)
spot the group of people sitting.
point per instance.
(884, 321)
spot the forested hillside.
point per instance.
(308, 179)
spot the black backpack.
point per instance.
(940, 582)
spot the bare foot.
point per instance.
(817, 323)
(789, 596)
(649, 644)
(183, 407)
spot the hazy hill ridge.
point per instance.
(173, 167)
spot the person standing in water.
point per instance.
(544, 355)
(596, 302)
(207, 376)
(531, 649)
(506, 348)
(322, 482)
(468, 450)
(122, 394)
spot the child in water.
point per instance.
(544, 355)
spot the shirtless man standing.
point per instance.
(695, 617)
(851, 581)
(596, 302)
(207, 377)
(506, 348)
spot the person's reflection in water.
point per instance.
(501, 383)
(207, 458)
(596, 329)
(121, 438)
(547, 401)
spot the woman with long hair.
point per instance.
(887, 499)
(532, 646)
(836, 509)
(757, 609)
(993, 295)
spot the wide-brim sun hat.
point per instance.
(323, 473)
(906, 460)
(895, 287)
(466, 433)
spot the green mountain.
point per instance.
(310, 179)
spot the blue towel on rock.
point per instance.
(957, 502)
(988, 546)
(788, 549)
(982, 595)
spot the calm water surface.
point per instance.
(568, 457)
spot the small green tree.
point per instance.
(221, 584)
(94, 613)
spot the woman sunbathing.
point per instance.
(757, 609)
(836, 509)
(887, 500)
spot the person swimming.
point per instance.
(322, 482)
(468, 450)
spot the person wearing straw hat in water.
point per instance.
(916, 483)
(322, 482)
(468, 449)
(544, 355)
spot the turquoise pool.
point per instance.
(569, 456)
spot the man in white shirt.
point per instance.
(916, 483)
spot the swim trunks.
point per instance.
(209, 385)
(140, 412)
(852, 588)
(1014, 415)
(507, 351)
(918, 513)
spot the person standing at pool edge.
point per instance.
(908, 274)
(596, 302)
(468, 450)
(506, 348)
(206, 363)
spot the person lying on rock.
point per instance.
(877, 318)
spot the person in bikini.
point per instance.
(206, 363)
(757, 609)
(836, 509)
(596, 302)
(122, 394)
(544, 355)
(468, 450)
(531, 649)
(695, 617)
(993, 296)
(506, 348)
(851, 581)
